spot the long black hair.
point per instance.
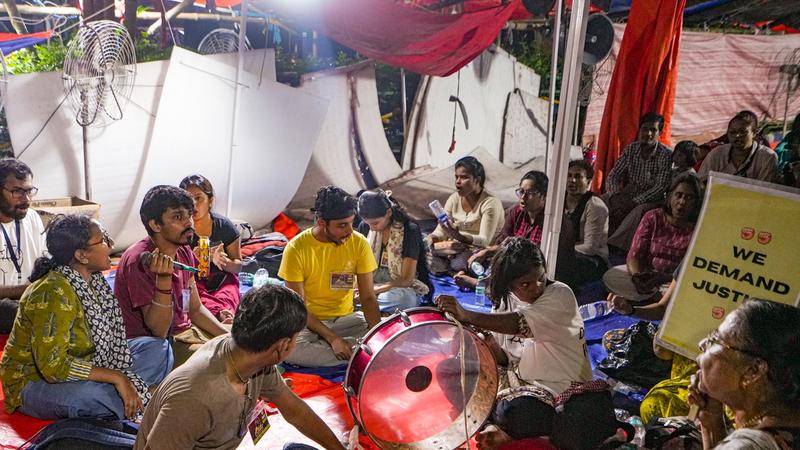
(473, 167)
(65, 235)
(200, 182)
(516, 258)
(374, 204)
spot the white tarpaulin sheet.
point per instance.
(53, 148)
(277, 130)
(484, 87)
(334, 160)
(718, 76)
(192, 95)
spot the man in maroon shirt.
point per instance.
(158, 302)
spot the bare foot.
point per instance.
(492, 437)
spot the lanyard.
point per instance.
(14, 258)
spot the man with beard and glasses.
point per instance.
(323, 264)
(158, 301)
(23, 237)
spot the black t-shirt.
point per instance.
(412, 248)
(224, 232)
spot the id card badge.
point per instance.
(342, 281)
(385, 258)
(258, 421)
(186, 295)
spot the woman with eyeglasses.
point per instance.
(525, 220)
(475, 217)
(751, 364)
(220, 291)
(67, 355)
(536, 330)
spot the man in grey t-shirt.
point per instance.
(212, 400)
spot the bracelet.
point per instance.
(164, 291)
(160, 304)
(633, 311)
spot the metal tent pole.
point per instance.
(570, 86)
(552, 93)
(236, 92)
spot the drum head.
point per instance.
(411, 393)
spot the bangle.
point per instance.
(633, 310)
(164, 291)
(160, 304)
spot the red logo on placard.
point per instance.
(748, 233)
(717, 312)
(764, 237)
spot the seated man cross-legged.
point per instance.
(158, 301)
(323, 264)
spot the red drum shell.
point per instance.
(403, 383)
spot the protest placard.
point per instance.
(746, 244)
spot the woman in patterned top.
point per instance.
(402, 274)
(660, 242)
(67, 355)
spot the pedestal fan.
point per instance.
(99, 72)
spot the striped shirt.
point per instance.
(647, 180)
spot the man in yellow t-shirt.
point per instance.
(323, 265)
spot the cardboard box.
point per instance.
(50, 207)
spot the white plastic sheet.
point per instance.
(192, 97)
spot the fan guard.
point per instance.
(221, 40)
(99, 71)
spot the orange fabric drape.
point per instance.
(644, 78)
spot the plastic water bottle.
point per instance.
(477, 268)
(260, 278)
(480, 292)
(594, 310)
(438, 211)
(638, 438)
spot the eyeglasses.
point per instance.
(20, 193)
(523, 193)
(106, 239)
(714, 338)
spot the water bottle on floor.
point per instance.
(638, 438)
(260, 278)
(480, 292)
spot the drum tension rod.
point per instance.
(404, 317)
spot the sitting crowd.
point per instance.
(164, 339)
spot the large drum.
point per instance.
(403, 382)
